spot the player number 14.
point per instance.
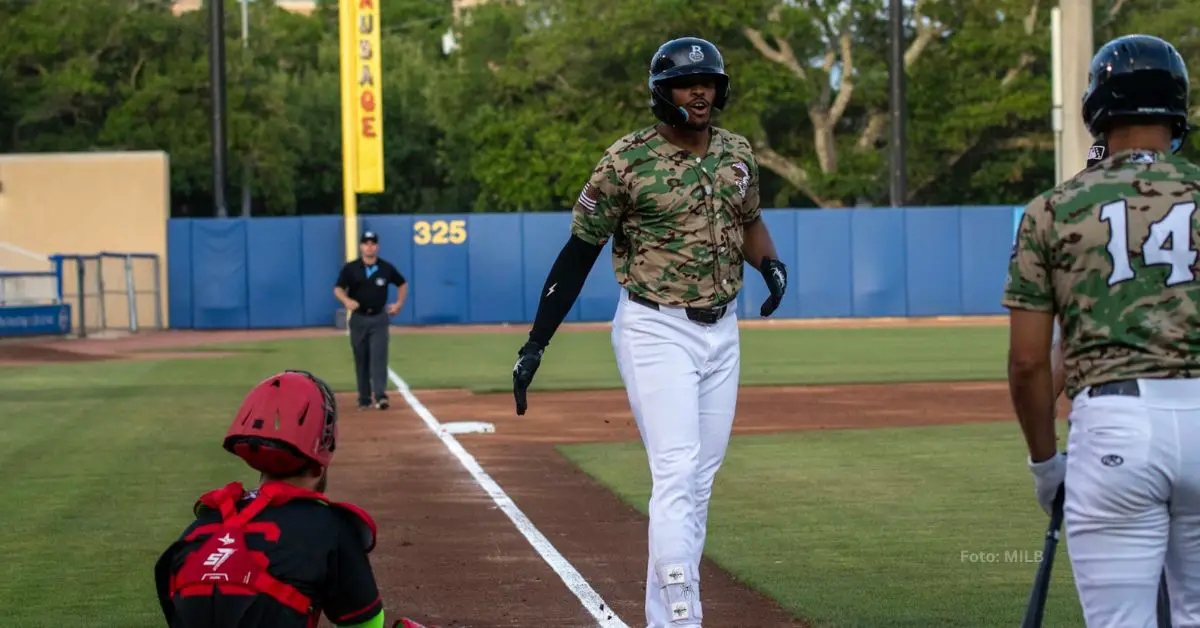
(1175, 227)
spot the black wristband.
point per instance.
(562, 287)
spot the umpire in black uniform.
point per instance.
(362, 287)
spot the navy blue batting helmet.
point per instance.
(686, 56)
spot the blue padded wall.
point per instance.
(179, 274)
(877, 251)
(489, 268)
(321, 261)
(986, 242)
(274, 253)
(439, 274)
(495, 275)
(824, 278)
(933, 272)
(220, 282)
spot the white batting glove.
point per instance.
(1048, 475)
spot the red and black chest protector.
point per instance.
(224, 564)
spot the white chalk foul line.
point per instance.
(599, 609)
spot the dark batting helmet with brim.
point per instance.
(680, 58)
(287, 423)
(1137, 79)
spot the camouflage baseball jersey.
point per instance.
(1113, 253)
(676, 219)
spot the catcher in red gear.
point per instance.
(282, 554)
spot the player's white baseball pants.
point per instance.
(1133, 503)
(682, 382)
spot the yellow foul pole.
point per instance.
(346, 39)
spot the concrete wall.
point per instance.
(87, 203)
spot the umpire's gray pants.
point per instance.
(369, 341)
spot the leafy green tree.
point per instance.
(516, 116)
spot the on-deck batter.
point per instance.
(681, 202)
(1112, 252)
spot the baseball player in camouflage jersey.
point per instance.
(680, 201)
(1112, 252)
(1095, 156)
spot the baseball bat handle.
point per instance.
(1036, 608)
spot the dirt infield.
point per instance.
(468, 560)
(448, 556)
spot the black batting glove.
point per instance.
(529, 358)
(775, 274)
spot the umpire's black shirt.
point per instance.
(319, 552)
(368, 283)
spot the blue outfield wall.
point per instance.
(489, 268)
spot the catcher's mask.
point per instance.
(286, 423)
(686, 56)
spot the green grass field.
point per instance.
(847, 528)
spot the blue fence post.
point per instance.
(57, 260)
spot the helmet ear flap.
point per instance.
(664, 107)
(722, 97)
(1181, 134)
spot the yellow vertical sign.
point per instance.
(368, 90)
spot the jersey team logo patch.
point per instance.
(1096, 153)
(743, 181)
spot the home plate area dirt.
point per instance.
(450, 557)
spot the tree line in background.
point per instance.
(515, 118)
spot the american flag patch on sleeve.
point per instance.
(587, 197)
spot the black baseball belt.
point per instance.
(706, 315)
(1118, 388)
(369, 311)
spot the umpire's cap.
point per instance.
(1137, 77)
(686, 56)
(369, 236)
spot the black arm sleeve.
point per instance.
(562, 287)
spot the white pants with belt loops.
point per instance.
(1133, 503)
(682, 381)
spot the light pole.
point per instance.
(245, 162)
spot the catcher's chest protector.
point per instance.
(225, 569)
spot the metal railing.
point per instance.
(106, 290)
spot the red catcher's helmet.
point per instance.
(288, 422)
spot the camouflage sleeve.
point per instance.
(1028, 284)
(751, 203)
(600, 205)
